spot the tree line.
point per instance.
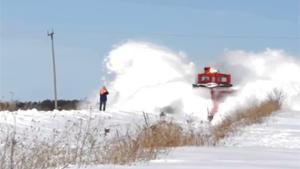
(45, 105)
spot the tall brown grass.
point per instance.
(247, 116)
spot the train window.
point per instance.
(223, 79)
(204, 78)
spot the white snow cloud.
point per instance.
(142, 76)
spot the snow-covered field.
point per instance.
(273, 144)
(219, 157)
(279, 131)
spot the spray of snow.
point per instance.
(257, 75)
(145, 77)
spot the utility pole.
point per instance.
(51, 34)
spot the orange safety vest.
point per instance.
(102, 91)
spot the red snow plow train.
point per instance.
(219, 85)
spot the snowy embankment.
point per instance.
(44, 123)
(219, 157)
(275, 143)
(279, 131)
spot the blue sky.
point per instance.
(87, 30)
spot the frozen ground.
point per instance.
(279, 131)
(220, 157)
(273, 144)
(44, 123)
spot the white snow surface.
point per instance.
(218, 157)
(279, 131)
(273, 144)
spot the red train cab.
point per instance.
(219, 85)
(211, 78)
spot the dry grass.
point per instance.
(167, 134)
(247, 116)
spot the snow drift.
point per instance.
(145, 77)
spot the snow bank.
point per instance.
(39, 125)
(218, 157)
(280, 131)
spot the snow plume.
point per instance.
(150, 78)
(257, 75)
(145, 77)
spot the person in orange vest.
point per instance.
(103, 98)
